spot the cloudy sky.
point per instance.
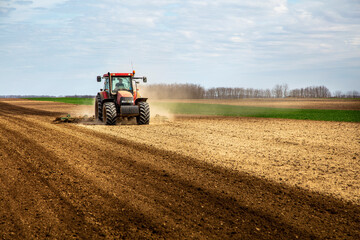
(58, 47)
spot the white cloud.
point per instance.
(353, 41)
(237, 39)
(281, 8)
(31, 4)
(46, 3)
(23, 11)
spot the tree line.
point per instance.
(195, 91)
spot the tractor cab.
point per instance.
(121, 82)
(117, 82)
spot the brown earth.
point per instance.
(318, 156)
(203, 178)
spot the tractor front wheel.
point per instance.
(109, 113)
(144, 116)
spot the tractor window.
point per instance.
(121, 83)
(106, 84)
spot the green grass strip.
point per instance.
(79, 101)
(262, 112)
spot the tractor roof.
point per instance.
(118, 74)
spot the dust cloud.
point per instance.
(157, 113)
(172, 91)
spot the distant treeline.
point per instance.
(194, 91)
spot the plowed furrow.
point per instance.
(76, 193)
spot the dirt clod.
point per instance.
(69, 119)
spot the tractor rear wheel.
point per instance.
(144, 110)
(109, 113)
(98, 109)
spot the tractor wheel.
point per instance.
(109, 113)
(98, 109)
(144, 110)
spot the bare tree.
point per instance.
(338, 94)
(285, 89)
(277, 91)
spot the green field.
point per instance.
(244, 111)
(79, 101)
(237, 111)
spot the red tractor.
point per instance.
(120, 99)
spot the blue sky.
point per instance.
(58, 47)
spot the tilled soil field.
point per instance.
(202, 178)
